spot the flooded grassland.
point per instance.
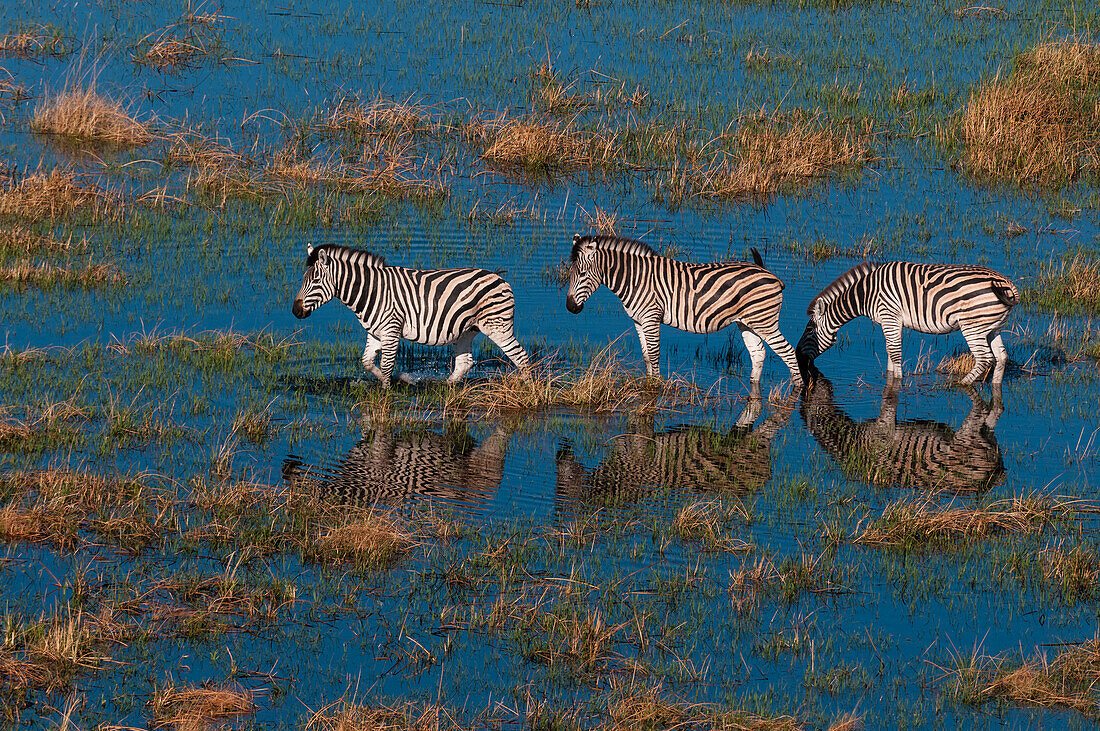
(210, 514)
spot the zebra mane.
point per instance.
(841, 284)
(346, 253)
(612, 243)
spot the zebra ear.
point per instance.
(309, 249)
(576, 238)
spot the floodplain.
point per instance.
(212, 516)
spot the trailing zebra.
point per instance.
(641, 464)
(428, 306)
(918, 454)
(698, 298)
(930, 298)
(394, 467)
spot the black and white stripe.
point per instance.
(428, 306)
(399, 467)
(916, 454)
(931, 298)
(699, 298)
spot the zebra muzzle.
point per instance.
(572, 306)
(299, 311)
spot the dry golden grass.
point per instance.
(551, 95)
(1038, 125)
(193, 707)
(170, 54)
(851, 721)
(642, 707)
(85, 114)
(344, 715)
(378, 117)
(1070, 285)
(34, 41)
(922, 521)
(539, 145)
(22, 241)
(703, 521)
(770, 154)
(371, 537)
(53, 195)
(47, 275)
(1068, 680)
(605, 384)
(1075, 570)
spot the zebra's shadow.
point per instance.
(917, 453)
(642, 465)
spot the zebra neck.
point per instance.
(353, 282)
(623, 275)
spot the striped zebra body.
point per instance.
(428, 306)
(930, 298)
(698, 298)
(916, 454)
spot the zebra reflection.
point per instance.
(393, 467)
(642, 465)
(919, 453)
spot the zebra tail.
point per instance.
(756, 257)
(1006, 293)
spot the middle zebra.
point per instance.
(699, 298)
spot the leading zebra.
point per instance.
(699, 298)
(930, 298)
(428, 306)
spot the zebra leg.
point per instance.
(983, 354)
(783, 349)
(1001, 355)
(649, 337)
(370, 353)
(464, 357)
(755, 346)
(891, 330)
(501, 333)
(390, 340)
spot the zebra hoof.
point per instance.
(407, 379)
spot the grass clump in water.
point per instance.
(48, 276)
(59, 193)
(82, 113)
(770, 154)
(191, 707)
(1069, 286)
(909, 523)
(1038, 126)
(1069, 680)
(369, 538)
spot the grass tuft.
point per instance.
(921, 522)
(1039, 124)
(59, 193)
(1070, 286)
(82, 113)
(192, 707)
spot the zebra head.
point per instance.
(583, 276)
(318, 286)
(819, 335)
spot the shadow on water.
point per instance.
(642, 466)
(398, 467)
(917, 453)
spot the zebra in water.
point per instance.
(930, 298)
(698, 298)
(916, 454)
(428, 306)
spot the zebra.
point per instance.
(699, 298)
(930, 298)
(428, 306)
(394, 467)
(914, 454)
(642, 464)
